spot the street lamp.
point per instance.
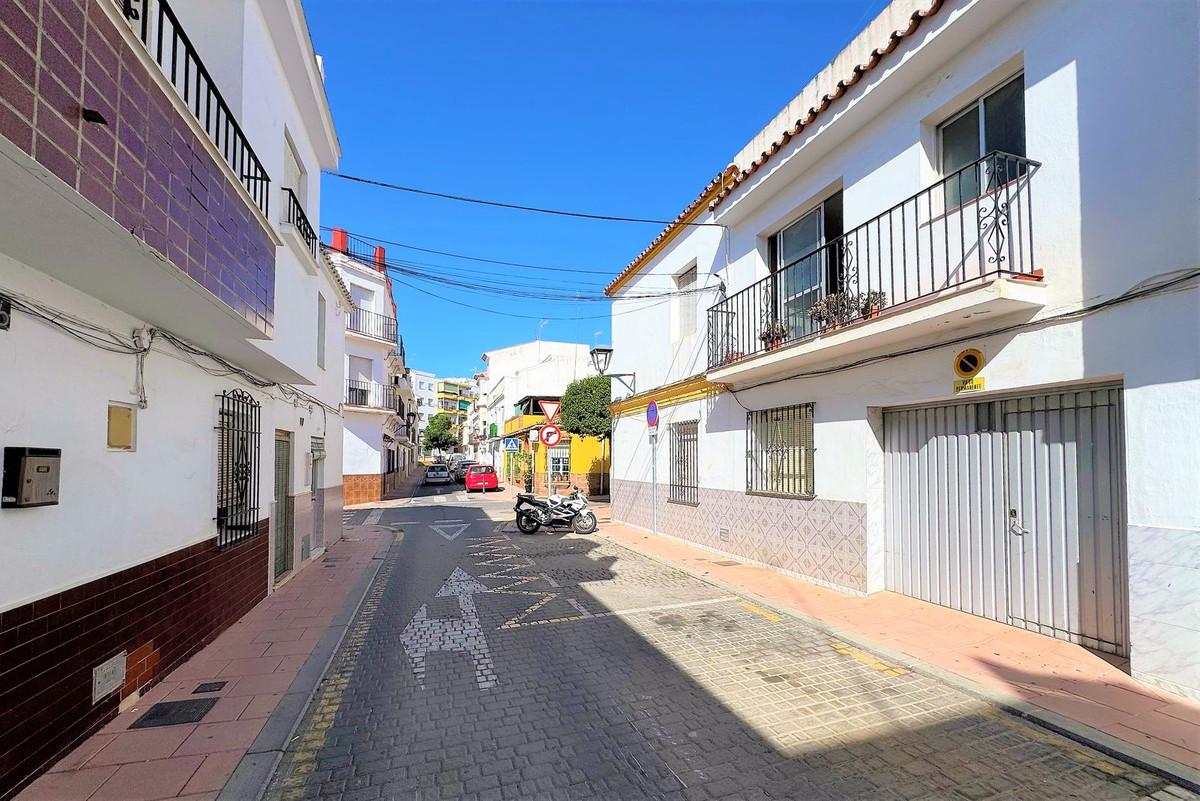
(602, 358)
(410, 419)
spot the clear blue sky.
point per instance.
(622, 108)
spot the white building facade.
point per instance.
(920, 345)
(378, 394)
(424, 385)
(172, 341)
(529, 369)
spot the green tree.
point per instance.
(438, 434)
(584, 412)
(585, 407)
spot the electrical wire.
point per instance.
(367, 239)
(514, 206)
(1136, 293)
(525, 316)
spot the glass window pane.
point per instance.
(800, 238)
(1004, 118)
(960, 147)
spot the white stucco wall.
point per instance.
(1110, 213)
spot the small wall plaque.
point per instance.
(107, 676)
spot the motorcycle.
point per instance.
(557, 510)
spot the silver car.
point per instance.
(438, 474)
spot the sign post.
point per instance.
(652, 424)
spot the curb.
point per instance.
(256, 768)
(1107, 744)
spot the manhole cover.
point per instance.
(210, 687)
(169, 713)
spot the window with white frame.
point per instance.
(560, 463)
(994, 122)
(779, 451)
(293, 172)
(686, 304)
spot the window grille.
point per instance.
(560, 464)
(779, 451)
(685, 474)
(238, 463)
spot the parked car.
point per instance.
(438, 474)
(461, 467)
(481, 477)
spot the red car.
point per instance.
(481, 477)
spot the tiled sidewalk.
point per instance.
(258, 658)
(1018, 666)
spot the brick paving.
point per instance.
(257, 658)
(603, 674)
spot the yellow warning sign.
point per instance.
(968, 385)
(968, 363)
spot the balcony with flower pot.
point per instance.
(955, 257)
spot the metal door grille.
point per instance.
(1013, 509)
(685, 478)
(237, 466)
(779, 452)
(318, 492)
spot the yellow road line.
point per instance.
(761, 612)
(866, 659)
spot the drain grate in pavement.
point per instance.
(170, 713)
(210, 687)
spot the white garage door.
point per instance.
(1013, 510)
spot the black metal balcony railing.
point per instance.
(976, 223)
(297, 217)
(398, 351)
(157, 26)
(371, 324)
(370, 395)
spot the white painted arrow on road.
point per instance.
(449, 530)
(460, 634)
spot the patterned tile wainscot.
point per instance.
(819, 539)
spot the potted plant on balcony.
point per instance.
(835, 310)
(773, 334)
(871, 303)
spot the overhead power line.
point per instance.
(366, 238)
(526, 316)
(515, 206)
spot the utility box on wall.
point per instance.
(30, 477)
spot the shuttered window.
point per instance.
(685, 473)
(779, 451)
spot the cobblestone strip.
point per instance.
(300, 759)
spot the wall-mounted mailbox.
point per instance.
(30, 477)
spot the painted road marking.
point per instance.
(758, 610)
(373, 518)
(464, 634)
(597, 615)
(449, 531)
(866, 658)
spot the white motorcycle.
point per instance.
(557, 510)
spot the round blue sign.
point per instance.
(652, 414)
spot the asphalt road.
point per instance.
(489, 665)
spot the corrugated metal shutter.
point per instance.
(1013, 510)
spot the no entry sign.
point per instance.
(550, 435)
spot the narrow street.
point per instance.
(484, 664)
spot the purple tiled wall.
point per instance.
(146, 168)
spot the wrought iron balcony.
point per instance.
(164, 38)
(296, 216)
(973, 225)
(369, 395)
(370, 324)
